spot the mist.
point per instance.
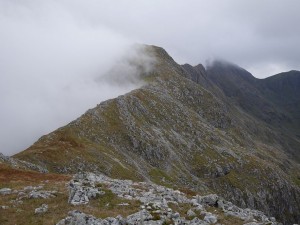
(54, 68)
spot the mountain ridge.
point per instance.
(177, 131)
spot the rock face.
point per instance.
(155, 201)
(189, 129)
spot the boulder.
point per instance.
(81, 193)
(211, 200)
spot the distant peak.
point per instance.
(223, 64)
(200, 67)
(226, 68)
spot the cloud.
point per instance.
(51, 70)
(55, 55)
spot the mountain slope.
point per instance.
(284, 91)
(274, 101)
(174, 131)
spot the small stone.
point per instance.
(190, 213)
(175, 215)
(123, 204)
(5, 191)
(21, 193)
(210, 218)
(42, 209)
(28, 188)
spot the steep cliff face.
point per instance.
(177, 132)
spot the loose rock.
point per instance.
(5, 191)
(42, 209)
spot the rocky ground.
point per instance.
(124, 202)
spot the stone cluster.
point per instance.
(155, 204)
(82, 190)
(29, 192)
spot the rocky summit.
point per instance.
(193, 145)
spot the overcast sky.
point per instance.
(52, 52)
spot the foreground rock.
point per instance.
(156, 204)
(81, 190)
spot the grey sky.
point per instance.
(51, 52)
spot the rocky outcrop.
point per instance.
(81, 191)
(155, 205)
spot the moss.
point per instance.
(156, 216)
(120, 172)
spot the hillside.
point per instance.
(190, 128)
(273, 101)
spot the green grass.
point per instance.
(160, 177)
